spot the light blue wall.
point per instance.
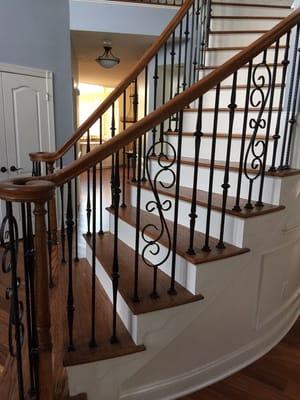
(119, 17)
(35, 33)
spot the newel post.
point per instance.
(43, 316)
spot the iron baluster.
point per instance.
(232, 106)
(9, 238)
(292, 119)
(70, 298)
(162, 125)
(88, 199)
(155, 78)
(115, 183)
(195, 63)
(179, 71)
(260, 82)
(172, 54)
(172, 290)
(193, 215)
(93, 342)
(259, 203)
(186, 44)
(62, 218)
(138, 223)
(123, 205)
(76, 258)
(289, 120)
(237, 206)
(212, 169)
(145, 135)
(276, 136)
(191, 45)
(101, 182)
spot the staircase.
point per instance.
(196, 273)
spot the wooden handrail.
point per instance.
(173, 106)
(116, 93)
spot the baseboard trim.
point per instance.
(223, 367)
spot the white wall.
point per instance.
(36, 34)
(108, 16)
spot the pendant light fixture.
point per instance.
(107, 59)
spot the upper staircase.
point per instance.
(181, 266)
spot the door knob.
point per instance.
(14, 169)
(3, 169)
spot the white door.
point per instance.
(26, 122)
(27, 125)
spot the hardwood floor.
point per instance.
(276, 376)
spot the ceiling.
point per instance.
(87, 46)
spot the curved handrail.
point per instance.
(113, 96)
(173, 106)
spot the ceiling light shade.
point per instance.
(107, 59)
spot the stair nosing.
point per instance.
(260, 17)
(250, 5)
(253, 213)
(205, 163)
(225, 109)
(193, 259)
(137, 308)
(218, 136)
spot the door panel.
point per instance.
(26, 119)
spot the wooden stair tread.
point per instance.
(244, 66)
(219, 135)
(234, 166)
(226, 109)
(246, 17)
(214, 32)
(233, 48)
(104, 251)
(82, 322)
(128, 214)
(185, 194)
(246, 4)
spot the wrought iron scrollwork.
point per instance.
(253, 162)
(151, 233)
(9, 243)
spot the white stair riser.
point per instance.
(231, 39)
(130, 320)
(217, 57)
(188, 148)
(271, 185)
(235, 24)
(229, 10)
(185, 271)
(190, 121)
(243, 74)
(225, 94)
(234, 226)
(234, 39)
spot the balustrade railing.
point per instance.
(166, 87)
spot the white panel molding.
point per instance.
(223, 367)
